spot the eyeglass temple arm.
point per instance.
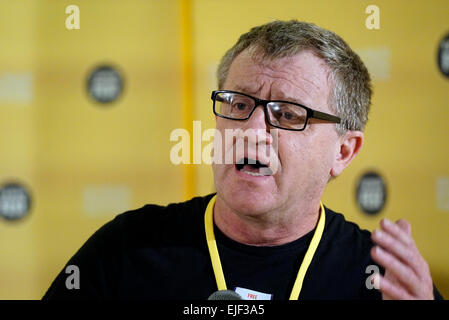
(325, 116)
(216, 97)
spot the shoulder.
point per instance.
(154, 221)
(103, 256)
(344, 258)
(343, 232)
(148, 226)
(346, 238)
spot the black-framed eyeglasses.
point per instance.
(280, 114)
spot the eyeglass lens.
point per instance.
(280, 114)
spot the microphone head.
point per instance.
(225, 295)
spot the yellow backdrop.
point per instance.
(84, 162)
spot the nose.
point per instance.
(257, 120)
(259, 125)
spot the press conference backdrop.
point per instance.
(87, 110)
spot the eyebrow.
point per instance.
(245, 89)
(248, 90)
(291, 99)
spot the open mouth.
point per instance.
(253, 167)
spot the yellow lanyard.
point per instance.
(216, 263)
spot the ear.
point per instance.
(350, 145)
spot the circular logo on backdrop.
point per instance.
(105, 84)
(443, 56)
(371, 193)
(15, 201)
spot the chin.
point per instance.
(249, 202)
(245, 193)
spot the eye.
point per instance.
(240, 106)
(288, 116)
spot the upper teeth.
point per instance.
(248, 161)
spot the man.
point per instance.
(305, 96)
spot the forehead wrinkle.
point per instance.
(279, 66)
(275, 91)
(278, 92)
(248, 88)
(276, 73)
(306, 86)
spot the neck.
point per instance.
(266, 229)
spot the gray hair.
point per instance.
(349, 78)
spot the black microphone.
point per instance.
(225, 295)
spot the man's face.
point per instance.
(303, 160)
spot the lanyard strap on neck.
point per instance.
(215, 258)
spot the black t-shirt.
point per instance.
(158, 252)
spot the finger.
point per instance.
(405, 275)
(405, 225)
(396, 231)
(397, 248)
(401, 230)
(390, 290)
